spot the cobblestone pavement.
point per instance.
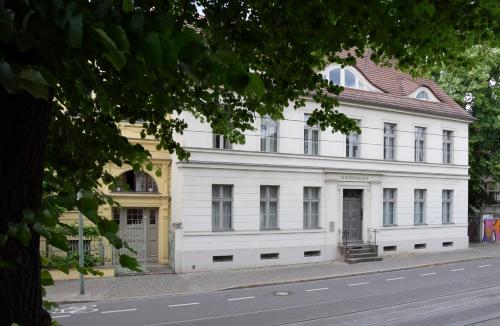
(144, 285)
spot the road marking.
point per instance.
(356, 284)
(183, 304)
(242, 298)
(481, 266)
(394, 279)
(318, 289)
(427, 274)
(61, 316)
(122, 310)
(456, 270)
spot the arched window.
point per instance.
(422, 95)
(131, 181)
(347, 78)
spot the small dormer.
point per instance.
(424, 94)
(348, 77)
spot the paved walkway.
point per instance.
(133, 286)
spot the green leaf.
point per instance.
(256, 86)
(28, 216)
(21, 232)
(111, 52)
(32, 81)
(74, 35)
(119, 36)
(128, 5)
(152, 49)
(8, 77)
(88, 205)
(6, 24)
(46, 278)
(130, 263)
(3, 240)
(192, 52)
(149, 166)
(238, 78)
(59, 241)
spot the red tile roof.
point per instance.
(396, 86)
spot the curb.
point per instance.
(312, 279)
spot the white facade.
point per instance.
(246, 169)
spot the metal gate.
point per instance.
(134, 233)
(171, 247)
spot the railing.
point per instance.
(372, 236)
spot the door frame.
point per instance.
(365, 203)
(361, 219)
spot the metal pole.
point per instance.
(81, 261)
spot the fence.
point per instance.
(96, 252)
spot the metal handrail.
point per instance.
(342, 240)
(372, 236)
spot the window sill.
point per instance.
(313, 228)
(222, 230)
(270, 229)
(389, 225)
(448, 223)
(420, 224)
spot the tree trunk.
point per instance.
(23, 134)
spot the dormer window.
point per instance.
(422, 95)
(139, 181)
(348, 77)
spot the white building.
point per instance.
(291, 191)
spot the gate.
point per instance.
(134, 233)
(171, 247)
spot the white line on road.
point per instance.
(242, 298)
(394, 279)
(481, 266)
(318, 289)
(61, 316)
(427, 274)
(456, 270)
(122, 310)
(183, 304)
(356, 284)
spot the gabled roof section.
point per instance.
(397, 86)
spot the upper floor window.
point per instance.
(136, 182)
(447, 146)
(422, 95)
(311, 137)
(269, 135)
(420, 144)
(345, 77)
(389, 141)
(220, 142)
(352, 144)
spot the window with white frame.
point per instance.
(420, 144)
(447, 146)
(419, 206)
(311, 207)
(389, 141)
(389, 206)
(269, 135)
(345, 77)
(269, 207)
(311, 137)
(352, 143)
(222, 207)
(221, 142)
(447, 206)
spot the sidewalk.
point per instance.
(143, 285)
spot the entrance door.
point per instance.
(152, 250)
(353, 215)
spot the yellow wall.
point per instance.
(160, 159)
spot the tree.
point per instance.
(72, 70)
(476, 85)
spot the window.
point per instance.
(311, 207)
(274, 255)
(116, 215)
(447, 146)
(389, 141)
(219, 259)
(136, 182)
(447, 206)
(269, 135)
(221, 142)
(74, 246)
(152, 216)
(134, 216)
(493, 192)
(419, 206)
(352, 144)
(389, 206)
(420, 246)
(269, 207)
(422, 95)
(420, 144)
(222, 202)
(345, 77)
(390, 248)
(311, 137)
(312, 253)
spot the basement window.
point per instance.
(420, 246)
(217, 259)
(273, 255)
(390, 248)
(448, 244)
(312, 253)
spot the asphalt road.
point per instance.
(466, 293)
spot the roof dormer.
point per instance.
(348, 77)
(425, 94)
